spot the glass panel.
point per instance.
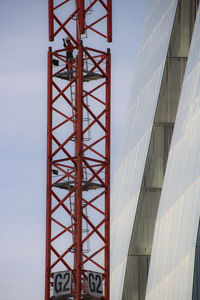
(196, 285)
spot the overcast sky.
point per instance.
(24, 44)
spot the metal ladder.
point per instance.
(87, 137)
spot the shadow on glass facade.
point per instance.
(196, 285)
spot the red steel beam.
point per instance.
(109, 21)
(107, 176)
(51, 21)
(49, 178)
(79, 176)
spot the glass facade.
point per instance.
(138, 186)
(196, 285)
(174, 245)
(136, 138)
(149, 197)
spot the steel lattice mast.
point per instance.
(78, 147)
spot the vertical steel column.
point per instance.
(107, 175)
(109, 21)
(51, 22)
(81, 22)
(79, 175)
(49, 177)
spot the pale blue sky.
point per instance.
(24, 44)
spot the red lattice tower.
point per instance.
(78, 147)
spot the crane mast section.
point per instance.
(82, 8)
(78, 152)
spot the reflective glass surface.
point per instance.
(135, 142)
(173, 252)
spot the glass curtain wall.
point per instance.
(143, 229)
(173, 253)
(137, 133)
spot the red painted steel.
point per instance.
(78, 166)
(79, 175)
(107, 179)
(49, 179)
(82, 7)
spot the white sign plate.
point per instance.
(62, 283)
(95, 286)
